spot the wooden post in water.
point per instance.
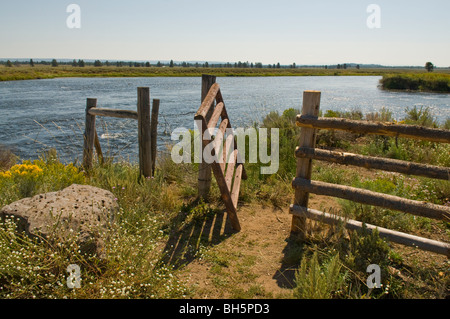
(89, 135)
(144, 132)
(154, 132)
(311, 106)
(204, 174)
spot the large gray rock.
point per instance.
(79, 210)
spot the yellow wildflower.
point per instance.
(26, 170)
(6, 174)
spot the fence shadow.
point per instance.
(184, 243)
(292, 256)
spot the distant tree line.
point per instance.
(139, 64)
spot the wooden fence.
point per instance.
(147, 130)
(229, 169)
(303, 185)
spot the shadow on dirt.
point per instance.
(293, 252)
(195, 225)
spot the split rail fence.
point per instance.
(228, 169)
(147, 130)
(303, 185)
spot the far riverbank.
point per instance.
(26, 72)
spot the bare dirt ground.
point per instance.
(258, 262)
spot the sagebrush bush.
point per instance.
(319, 281)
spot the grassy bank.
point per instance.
(167, 244)
(26, 72)
(425, 82)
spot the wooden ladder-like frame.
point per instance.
(229, 169)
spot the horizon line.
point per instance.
(216, 62)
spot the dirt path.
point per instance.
(257, 262)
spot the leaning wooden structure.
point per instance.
(227, 166)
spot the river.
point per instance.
(40, 114)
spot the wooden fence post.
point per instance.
(311, 106)
(144, 132)
(204, 175)
(89, 135)
(154, 132)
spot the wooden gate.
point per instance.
(227, 166)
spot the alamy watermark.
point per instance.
(374, 19)
(185, 151)
(74, 278)
(374, 279)
(73, 21)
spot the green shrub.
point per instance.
(315, 281)
(421, 117)
(433, 82)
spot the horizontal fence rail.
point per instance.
(379, 128)
(367, 197)
(394, 236)
(123, 114)
(385, 164)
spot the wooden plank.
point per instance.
(207, 82)
(379, 128)
(311, 106)
(228, 150)
(236, 185)
(230, 169)
(394, 236)
(222, 128)
(123, 114)
(216, 115)
(154, 132)
(218, 145)
(208, 95)
(89, 135)
(144, 132)
(207, 102)
(384, 164)
(226, 197)
(219, 99)
(367, 197)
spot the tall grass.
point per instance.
(132, 266)
(26, 72)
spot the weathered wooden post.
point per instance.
(154, 132)
(311, 106)
(89, 135)
(144, 132)
(204, 174)
(98, 149)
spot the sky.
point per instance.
(286, 31)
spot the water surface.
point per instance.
(42, 114)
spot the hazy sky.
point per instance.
(305, 32)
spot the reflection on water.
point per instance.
(42, 114)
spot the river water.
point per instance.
(40, 114)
